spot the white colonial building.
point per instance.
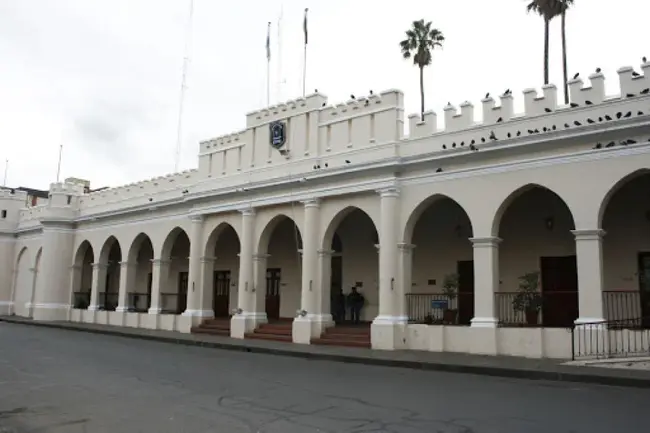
(311, 198)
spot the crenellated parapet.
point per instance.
(286, 109)
(536, 104)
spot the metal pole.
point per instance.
(179, 127)
(4, 182)
(304, 72)
(58, 168)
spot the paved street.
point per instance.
(54, 381)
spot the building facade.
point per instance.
(489, 237)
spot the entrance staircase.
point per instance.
(280, 330)
(345, 335)
(218, 326)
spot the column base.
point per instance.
(310, 326)
(484, 322)
(245, 322)
(589, 321)
(483, 339)
(206, 314)
(50, 312)
(154, 311)
(93, 308)
(122, 309)
(6, 307)
(388, 332)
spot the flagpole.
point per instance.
(4, 182)
(58, 168)
(279, 83)
(304, 64)
(268, 65)
(186, 60)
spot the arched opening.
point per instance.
(282, 241)
(174, 283)
(353, 239)
(83, 276)
(537, 260)
(626, 250)
(22, 286)
(222, 266)
(442, 282)
(139, 286)
(109, 285)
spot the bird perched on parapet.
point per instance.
(645, 59)
(487, 95)
(589, 103)
(566, 125)
(530, 131)
(576, 123)
(453, 145)
(347, 161)
(439, 170)
(544, 129)
(640, 113)
(619, 115)
(574, 105)
(610, 144)
(628, 114)
(324, 104)
(472, 142)
(500, 119)
(462, 143)
(315, 90)
(482, 139)
(576, 75)
(598, 146)
(608, 117)
(590, 121)
(352, 97)
(518, 133)
(492, 135)
(472, 147)
(630, 95)
(366, 103)
(645, 91)
(509, 135)
(600, 119)
(554, 128)
(630, 141)
(444, 146)
(635, 74)
(371, 92)
(548, 110)
(449, 103)
(598, 70)
(326, 165)
(314, 168)
(507, 92)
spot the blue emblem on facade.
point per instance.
(278, 135)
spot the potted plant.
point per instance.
(528, 299)
(450, 290)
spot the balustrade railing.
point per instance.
(81, 300)
(611, 339)
(173, 303)
(138, 302)
(440, 309)
(108, 301)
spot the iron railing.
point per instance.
(108, 301)
(611, 339)
(547, 309)
(138, 302)
(81, 300)
(440, 309)
(624, 304)
(173, 303)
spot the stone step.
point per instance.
(215, 325)
(339, 342)
(340, 336)
(270, 337)
(210, 331)
(274, 331)
(347, 331)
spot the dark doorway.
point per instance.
(221, 294)
(559, 291)
(336, 278)
(465, 271)
(181, 303)
(273, 276)
(644, 287)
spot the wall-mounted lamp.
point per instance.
(549, 223)
(301, 313)
(237, 311)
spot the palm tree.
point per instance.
(547, 9)
(420, 40)
(564, 5)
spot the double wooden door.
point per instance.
(273, 277)
(559, 291)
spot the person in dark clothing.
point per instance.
(355, 301)
(338, 306)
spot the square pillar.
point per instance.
(98, 284)
(206, 286)
(311, 319)
(486, 283)
(389, 327)
(159, 269)
(195, 307)
(404, 277)
(127, 280)
(589, 257)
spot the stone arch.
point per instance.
(177, 233)
(18, 296)
(269, 229)
(139, 285)
(214, 236)
(336, 221)
(535, 224)
(425, 204)
(110, 257)
(624, 216)
(141, 240)
(625, 180)
(82, 277)
(84, 249)
(175, 254)
(110, 245)
(514, 195)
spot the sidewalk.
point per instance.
(501, 366)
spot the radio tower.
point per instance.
(186, 61)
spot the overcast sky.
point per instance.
(103, 76)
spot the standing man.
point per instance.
(355, 301)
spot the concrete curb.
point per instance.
(516, 373)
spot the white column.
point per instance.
(405, 277)
(305, 325)
(486, 281)
(325, 284)
(194, 289)
(127, 280)
(206, 286)
(98, 284)
(159, 270)
(388, 258)
(589, 256)
(245, 319)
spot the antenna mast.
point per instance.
(4, 182)
(58, 167)
(280, 83)
(186, 61)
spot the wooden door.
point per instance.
(273, 293)
(336, 283)
(221, 294)
(644, 287)
(559, 291)
(181, 302)
(465, 271)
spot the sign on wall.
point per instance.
(278, 134)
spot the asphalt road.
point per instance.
(54, 381)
